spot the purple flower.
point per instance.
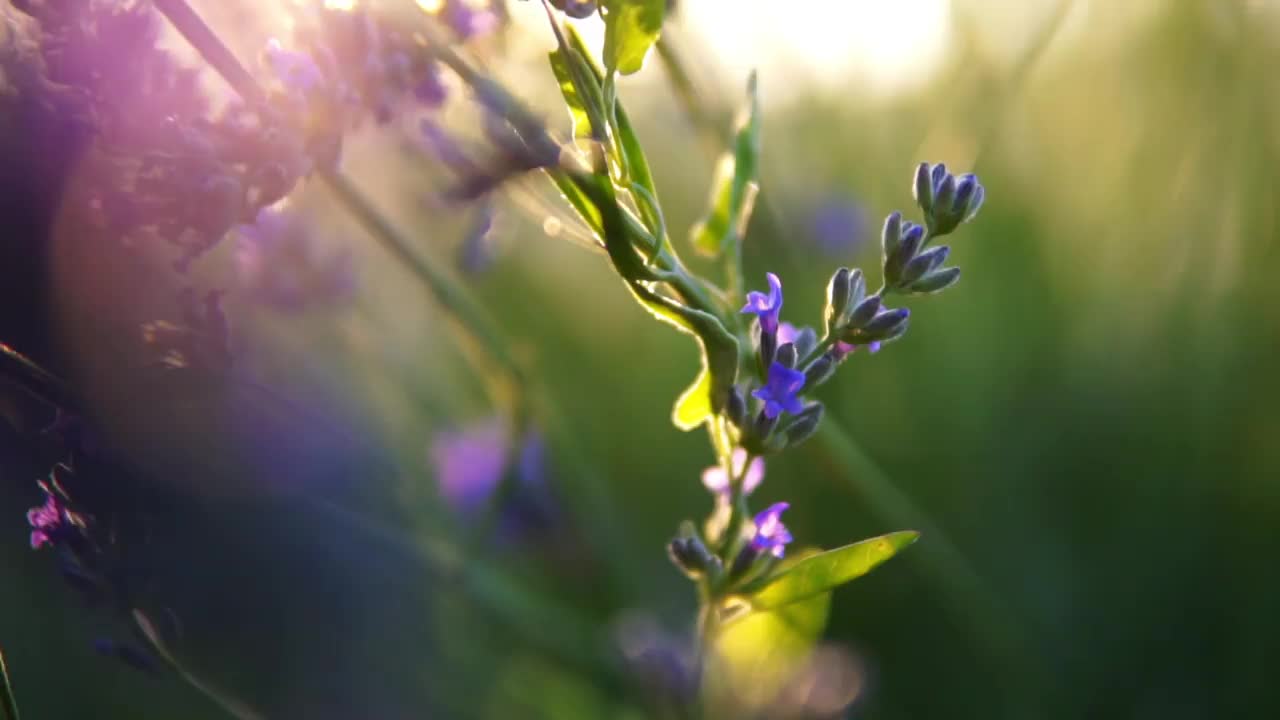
(297, 71)
(469, 463)
(779, 393)
(766, 307)
(469, 21)
(718, 481)
(771, 535)
(52, 521)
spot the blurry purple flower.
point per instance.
(282, 262)
(53, 521)
(661, 662)
(429, 88)
(771, 535)
(469, 463)
(779, 392)
(766, 307)
(718, 481)
(469, 20)
(296, 71)
(839, 227)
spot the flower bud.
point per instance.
(924, 263)
(936, 175)
(805, 424)
(912, 239)
(884, 324)
(820, 370)
(838, 294)
(766, 346)
(945, 197)
(764, 425)
(975, 203)
(805, 341)
(865, 311)
(936, 281)
(786, 355)
(922, 189)
(736, 406)
(891, 235)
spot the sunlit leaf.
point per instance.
(631, 29)
(820, 573)
(580, 87)
(756, 654)
(628, 141)
(734, 185)
(694, 404)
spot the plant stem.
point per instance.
(7, 699)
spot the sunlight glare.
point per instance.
(890, 46)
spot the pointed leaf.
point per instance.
(631, 29)
(694, 404)
(581, 89)
(734, 185)
(821, 573)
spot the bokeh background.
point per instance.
(1084, 429)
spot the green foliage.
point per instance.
(819, 574)
(631, 29)
(754, 653)
(734, 186)
(581, 91)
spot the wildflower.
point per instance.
(771, 535)
(468, 20)
(779, 392)
(766, 307)
(469, 463)
(296, 71)
(578, 9)
(720, 482)
(54, 520)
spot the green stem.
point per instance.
(7, 699)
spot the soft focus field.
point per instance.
(1084, 429)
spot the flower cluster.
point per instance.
(769, 412)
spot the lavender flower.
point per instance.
(779, 392)
(296, 71)
(771, 535)
(469, 463)
(766, 307)
(719, 482)
(54, 521)
(468, 20)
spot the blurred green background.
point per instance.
(1084, 429)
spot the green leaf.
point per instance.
(581, 89)
(631, 27)
(7, 700)
(821, 573)
(754, 655)
(629, 143)
(694, 404)
(734, 185)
